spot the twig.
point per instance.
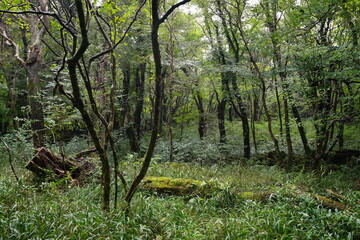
(45, 13)
(111, 48)
(10, 158)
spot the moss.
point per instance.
(324, 201)
(183, 186)
(175, 186)
(188, 187)
(259, 196)
(327, 202)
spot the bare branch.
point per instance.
(333, 121)
(56, 16)
(121, 39)
(10, 158)
(173, 7)
(15, 46)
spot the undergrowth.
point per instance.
(31, 209)
(34, 210)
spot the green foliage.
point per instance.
(44, 211)
(5, 114)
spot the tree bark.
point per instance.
(159, 88)
(36, 109)
(77, 101)
(32, 65)
(259, 75)
(139, 82)
(272, 24)
(221, 107)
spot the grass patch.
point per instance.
(43, 211)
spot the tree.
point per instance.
(37, 25)
(159, 89)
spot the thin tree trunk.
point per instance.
(301, 129)
(287, 134)
(202, 119)
(125, 108)
(263, 85)
(221, 120)
(139, 82)
(279, 107)
(243, 116)
(170, 87)
(36, 109)
(159, 88)
(77, 101)
(341, 136)
(12, 96)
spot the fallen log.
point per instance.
(175, 186)
(189, 187)
(46, 164)
(324, 201)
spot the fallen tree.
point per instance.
(189, 187)
(45, 164)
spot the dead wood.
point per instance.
(10, 159)
(46, 164)
(174, 186)
(189, 187)
(84, 153)
(324, 201)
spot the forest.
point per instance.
(180, 119)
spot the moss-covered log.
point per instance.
(189, 187)
(329, 203)
(257, 196)
(324, 201)
(176, 186)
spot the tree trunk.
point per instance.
(100, 91)
(288, 134)
(199, 104)
(341, 136)
(202, 119)
(139, 82)
(32, 65)
(125, 108)
(221, 119)
(12, 96)
(159, 88)
(36, 109)
(279, 108)
(243, 116)
(77, 101)
(263, 84)
(301, 129)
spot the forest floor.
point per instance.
(56, 210)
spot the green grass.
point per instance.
(30, 210)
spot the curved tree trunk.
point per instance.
(159, 88)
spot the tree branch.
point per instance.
(56, 16)
(111, 48)
(10, 159)
(333, 121)
(16, 48)
(173, 7)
